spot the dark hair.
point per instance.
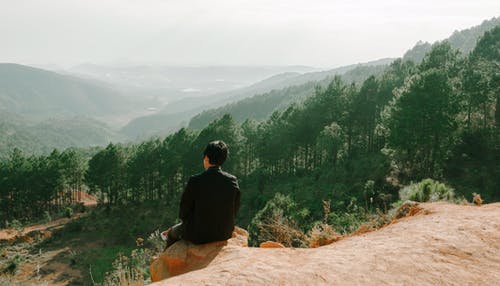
(216, 151)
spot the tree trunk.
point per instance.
(497, 112)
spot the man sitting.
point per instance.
(209, 203)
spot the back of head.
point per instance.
(216, 151)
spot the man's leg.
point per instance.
(174, 234)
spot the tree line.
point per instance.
(346, 142)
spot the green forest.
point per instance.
(353, 145)
(438, 119)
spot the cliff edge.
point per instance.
(442, 244)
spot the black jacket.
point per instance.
(209, 206)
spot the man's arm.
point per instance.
(237, 197)
(187, 200)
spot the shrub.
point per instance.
(68, 212)
(123, 273)
(476, 199)
(74, 226)
(16, 224)
(156, 243)
(428, 190)
(322, 234)
(101, 261)
(79, 207)
(347, 222)
(13, 264)
(133, 269)
(283, 230)
(46, 216)
(278, 221)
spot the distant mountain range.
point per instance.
(175, 82)
(258, 101)
(41, 110)
(84, 106)
(41, 94)
(259, 107)
(178, 114)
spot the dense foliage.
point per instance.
(32, 186)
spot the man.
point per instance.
(209, 203)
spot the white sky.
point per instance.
(318, 33)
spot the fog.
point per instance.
(226, 32)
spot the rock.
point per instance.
(271, 244)
(476, 199)
(45, 234)
(451, 245)
(184, 256)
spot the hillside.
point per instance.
(464, 40)
(261, 106)
(178, 113)
(42, 94)
(261, 99)
(41, 110)
(442, 244)
(41, 137)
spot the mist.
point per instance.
(199, 33)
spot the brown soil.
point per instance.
(10, 234)
(441, 244)
(47, 268)
(44, 267)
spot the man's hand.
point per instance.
(164, 234)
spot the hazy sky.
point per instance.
(323, 33)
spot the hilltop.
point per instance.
(42, 94)
(442, 243)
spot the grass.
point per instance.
(101, 260)
(100, 239)
(12, 257)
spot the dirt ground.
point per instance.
(8, 233)
(41, 266)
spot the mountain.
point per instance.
(41, 110)
(464, 40)
(178, 113)
(205, 109)
(40, 94)
(166, 84)
(33, 137)
(156, 124)
(259, 107)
